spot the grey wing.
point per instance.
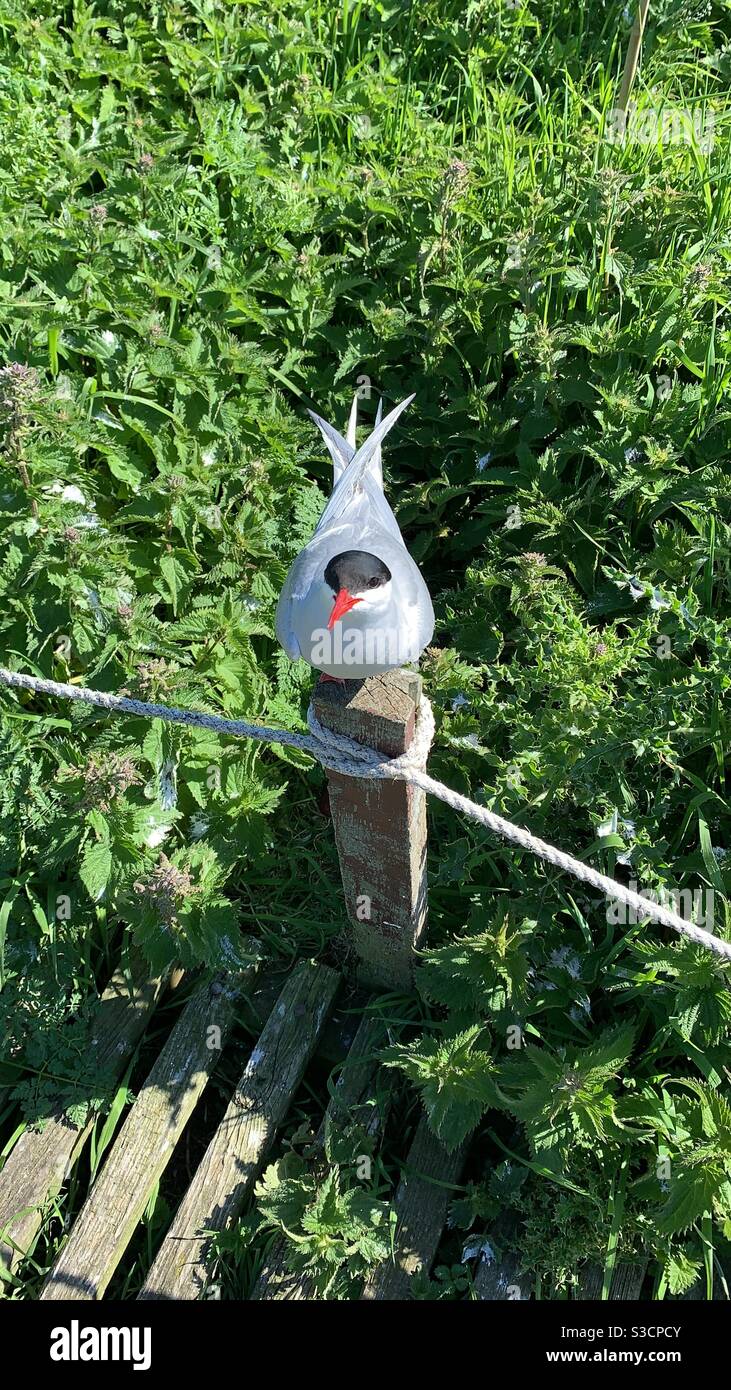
(420, 610)
(362, 507)
(341, 450)
(359, 472)
(424, 616)
(377, 530)
(283, 621)
(363, 520)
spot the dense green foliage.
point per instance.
(212, 215)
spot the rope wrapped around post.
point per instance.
(343, 754)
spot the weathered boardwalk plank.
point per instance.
(626, 1284)
(235, 1154)
(41, 1160)
(339, 1030)
(355, 1101)
(500, 1279)
(421, 1202)
(144, 1147)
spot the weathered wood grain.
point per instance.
(380, 827)
(236, 1152)
(501, 1281)
(144, 1146)
(421, 1203)
(626, 1284)
(339, 1030)
(355, 1101)
(498, 1278)
(41, 1160)
(698, 1292)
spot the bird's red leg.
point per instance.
(337, 680)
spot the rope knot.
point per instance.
(342, 754)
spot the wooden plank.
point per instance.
(498, 1277)
(380, 827)
(339, 1030)
(626, 1284)
(421, 1202)
(354, 1101)
(501, 1281)
(698, 1292)
(144, 1147)
(41, 1160)
(237, 1150)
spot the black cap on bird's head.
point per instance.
(353, 573)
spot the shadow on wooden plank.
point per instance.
(237, 1150)
(421, 1202)
(41, 1160)
(144, 1145)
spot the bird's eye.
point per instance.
(374, 583)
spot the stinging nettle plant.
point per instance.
(563, 488)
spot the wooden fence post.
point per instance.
(380, 827)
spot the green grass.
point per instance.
(214, 215)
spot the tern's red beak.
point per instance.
(343, 604)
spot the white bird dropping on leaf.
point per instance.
(354, 603)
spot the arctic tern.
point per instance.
(354, 603)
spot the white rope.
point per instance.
(342, 754)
